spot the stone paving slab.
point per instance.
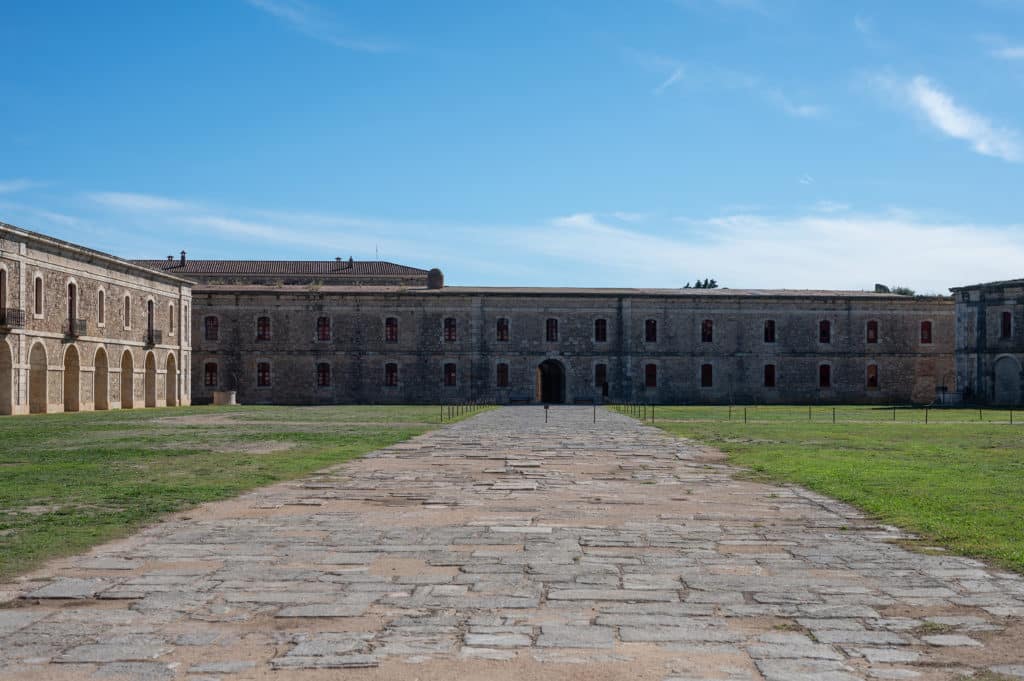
(504, 547)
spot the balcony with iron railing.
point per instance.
(76, 328)
(11, 317)
(154, 337)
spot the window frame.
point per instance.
(769, 331)
(927, 331)
(600, 372)
(551, 330)
(207, 373)
(324, 332)
(1006, 325)
(323, 374)
(263, 376)
(650, 330)
(390, 374)
(707, 375)
(450, 329)
(391, 329)
(215, 336)
(707, 331)
(501, 375)
(263, 328)
(600, 330)
(769, 376)
(127, 311)
(501, 330)
(825, 331)
(450, 373)
(38, 296)
(871, 332)
(651, 375)
(101, 307)
(871, 380)
(824, 376)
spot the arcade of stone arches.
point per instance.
(80, 380)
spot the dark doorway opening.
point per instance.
(551, 382)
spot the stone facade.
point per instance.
(83, 330)
(990, 342)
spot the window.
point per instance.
(651, 331)
(449, 374)
(551, 330)
(824, 376)
(170, 318)
(926, 332)
(501, 379)
(323, 328)
(187, 324)
(707, 331)
(872, 377)
(149, 316)
(101, 307)
(210, 375)
(872, 333)
(391, 330)
(72, 303)
(127, 312)
(391, 374)
(824, 331)
(651, 375)
(1006, 325)
(450, 332)
(600, 330)
(263, 374)
(707, 376)
(212, 328)
(600, 375)
(323, 375)
(769, 331)
(3, 288)
(769, 375)
(39, 296)
(263, 329)
(501, 329)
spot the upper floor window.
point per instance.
(651, 331)
(101, 307)
(150, 315)
(871, 379)
(39, 296)
(211, 327)
(501, 375)
(127, 312)
(872, 332)
(769, 331)
(824, 331)
(323, 328)
(3, 288)
(263, 329)
(210, 375)
(450, 330)
(824, 376)
(600, 375)
(449, 374)
(551, 330)
(263, 374)
(391, 374)
(769, 375)
(651, 375)
(323, 375)
(72, 301)
(170, 318)
(926, 332)
(501, 329)
(1006, 325)
(707, 331)
(601, 330)
(186, 325)
(391, 330)
(707, 376)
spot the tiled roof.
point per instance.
(365, 268)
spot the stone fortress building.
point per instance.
(990, 341)
(344, 331)
(83, 330)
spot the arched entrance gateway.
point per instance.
(1007, 388)
(6, 379)
(127, 380)
(37, 400)
(551, 382)
(72, 374)
(172, 381)
(150, 380)
(100, 381)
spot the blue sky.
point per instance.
(766, 143)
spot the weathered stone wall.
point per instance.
(49, 364)
(908, 370)
(989, 363)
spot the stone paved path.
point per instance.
(506, 548)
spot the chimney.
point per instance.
(170, 258)
(183, 257)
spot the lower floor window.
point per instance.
(391, 374)
(651, 375)
(769, 375)
(824, 376)
(323, 375)
(872, 376)
(707, 378)
(449, 374)
(502, 376)
(263, 374)
(209, 375)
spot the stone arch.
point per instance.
(6, 379)
(72, 379)
(101, 380)
(551, 381)
(150, 381)
(37, 378)
(127, 380)
(1006, 381)
(172, 380)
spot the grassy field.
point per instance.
(957, 481)
(68, 481)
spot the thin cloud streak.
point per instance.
(19, 185)
(315, 23)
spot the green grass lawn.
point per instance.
(956, 481)
(69, 481)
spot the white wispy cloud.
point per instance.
(316, 23)
(791, 107)
(138, 202)
(1011, 52)
(19, 185)
(673, 78)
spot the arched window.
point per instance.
(872, 332)
(101, 307)
(651, 331)
(501, 329)
(72, 307)
(824, 331)
(600, 330)
(3, 289)
(707, 331)
(450, 329)
(769, 375)
(263, 374)
(824, 376)
(551, 330)
(263, 329)
(501, 377)
(769, 331)
(150, 321)
(211, 328)
(449, 374)
(186, 325)
(170, 319)
(323, 328)
(1006, 325)
(926, 332)
(651, 375)
(323, 375)
(127, 312)
(391, 374)
(871, 380)
(391, 330)
(210, 375)
(707, 376)
(39, 296)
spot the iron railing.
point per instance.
(12, 317)
(77, 327)
(154, 337)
